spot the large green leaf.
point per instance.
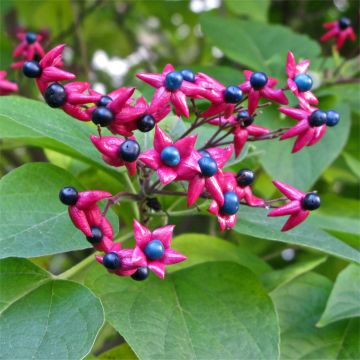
(306, 166)
(200, 248)
(36, 123)
(343, 302)
(255, 222)
(257, 45)
(254, 9)
(45, 318)
(33, 222)
(208, 311)
(274, 279)
(299, 305)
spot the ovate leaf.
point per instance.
(33, 221)
(45, 318)
(36, 123)
(208, 311)
(256, 45)
(344, 300)
(200, 248)
(254, 9)
(255, 222)
(299, 305)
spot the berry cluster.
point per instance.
(340, 30)
(152, 250)
(181, 159)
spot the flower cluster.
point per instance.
(200, 168)
(340, 30)
(151, 252)
(29, 48)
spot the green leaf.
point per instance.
(45, 318)
(36, 123)
(256, 45)
(33, 222)
(299, 305)
(343, 302)
(353, 163)
(208, 311)
(200, 248)
(255, 222)
(121, 352)
(276, 278)
(254, 9)
(306, 166)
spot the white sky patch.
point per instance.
(100, 60)
(216, 52)
(183, 31)
(198, 6)
(99, 87)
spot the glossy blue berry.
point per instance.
(68, 195)
(102, 116)
(245, 119)
(96, 235)
(141, 273)
(258, 80)
(104, 100)
(332, 118)
(204, 153)
(245, 177)
(188, 75)
(173, 80)
(170, 156)
(154, 250)
(30, 37)
(55, 95)
(111, 261)
(146, 123)
(233, 94)
(208, 166)
(311, 201)
(32, 69)
(317, 118)
(303, 82)
(231, 204)
(129, 150)
(344, 23)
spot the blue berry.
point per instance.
(332, 118)
(258, 80)
(245, 119)
(68, 195)
(146, 123)
(208, 166)
(32, 69)
(311, 201)
(154, 250)
(104, 100)
(55, 95)
(233, 94)
(129, 150)
(96, 235)
(188, 75)
(204, 153)
(245, 177)
(231, 204)
(170, 156)
(141, 273)
(111, 261)
(317, 118)
(344, 23)
(102, 116)
(173, 80)
(30, 37)
(303, 82)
